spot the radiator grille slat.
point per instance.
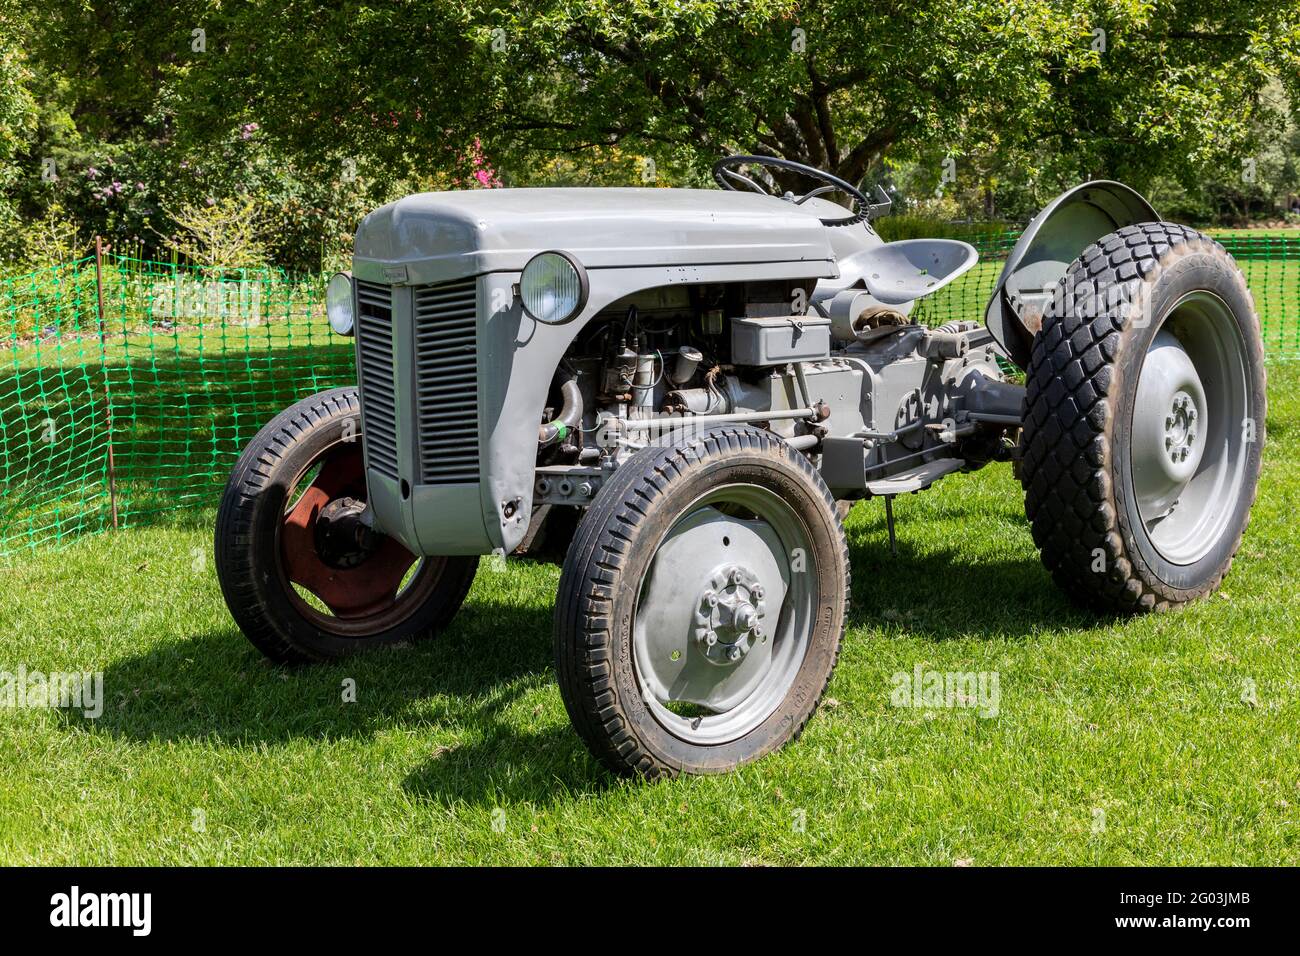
(375, 372)
(446, 365)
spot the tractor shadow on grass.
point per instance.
(942, 593)
(539, 768)
(479, 693)
(465, 692)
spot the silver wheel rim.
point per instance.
(1188, 437)
(725, 614)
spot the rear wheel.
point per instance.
(701, 605)
(1144, 419)
(303, 577)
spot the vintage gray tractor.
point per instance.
(682, 391)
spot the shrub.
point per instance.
(892, 228)
(220, 234)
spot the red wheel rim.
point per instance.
(351, 593)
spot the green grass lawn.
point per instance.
(1116, 741)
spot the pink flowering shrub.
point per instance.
(480, 170)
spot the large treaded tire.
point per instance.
(602, 574)
(1081, 386)
(246, 541)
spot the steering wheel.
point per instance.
(727, 177)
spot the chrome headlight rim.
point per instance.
(583, 287)
(340, 307)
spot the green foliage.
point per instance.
(54, 239)
(17, 117)
(321, 111)
(128, 145)
(221, 234)
(905, 226)
(1046, 90)
(1265, 183)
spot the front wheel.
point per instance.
(701, 605)
(303, 577)
(1144, 419)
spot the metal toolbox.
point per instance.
(776, 340)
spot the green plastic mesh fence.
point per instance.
(185, 367)
(1272, 268)
(181, 372)
(1271, 265)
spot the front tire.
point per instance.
(1144, 420)
(701, 605)
(301, 578)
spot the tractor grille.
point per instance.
(375, 371)
(446, 382)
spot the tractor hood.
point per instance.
(1067, 225)
(436, 237)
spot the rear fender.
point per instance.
(1065, 227)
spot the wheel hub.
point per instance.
(342, 539)
(1181, 427)
(325, 549)
(729, 615)
(1169, 422)
(723, 577)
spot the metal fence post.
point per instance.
(103, 359)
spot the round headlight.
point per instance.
(338, 302)
(553, 287)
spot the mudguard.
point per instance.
(1065, 227)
